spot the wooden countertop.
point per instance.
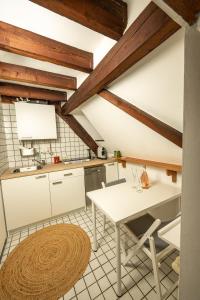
(8, 174)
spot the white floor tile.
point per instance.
(99, 281)
(94, 290)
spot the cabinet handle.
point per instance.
(112, 164)
(41, 176)
(68, 174)
(57, 182)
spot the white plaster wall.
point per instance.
(190, 242)
(80, 117)
(3, 233)
(167, 211)
(155, 85)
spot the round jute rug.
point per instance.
(46, 265)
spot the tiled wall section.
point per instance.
(3, 150)
(68, 145)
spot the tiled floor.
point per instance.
(99, 280)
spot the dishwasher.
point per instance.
(93, 179)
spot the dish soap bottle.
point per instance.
(145, 179)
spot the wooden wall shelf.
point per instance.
(171, 169)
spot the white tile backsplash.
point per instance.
(68, 144)
(3, 149)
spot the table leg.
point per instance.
(118, 259)
(94, 227)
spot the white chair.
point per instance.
(143, 231)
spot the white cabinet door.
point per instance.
(111, 171)
(67, 193)
(35, 121)
(26, 200)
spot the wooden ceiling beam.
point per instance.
(188, 9)
(15, 90)
(158, 126)
(34, 76)
(78, 129)
(147, 32)
(27, 43)
(6, 99)
(108, 17)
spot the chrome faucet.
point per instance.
(42, 162)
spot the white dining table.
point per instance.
(121, 203)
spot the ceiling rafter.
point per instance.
(27, 43)
(108, 17)
(188, 9)
(35, 76)
(158, 126)
(78, 129)
(148, 31)
(18, 90)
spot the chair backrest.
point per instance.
(104, 185)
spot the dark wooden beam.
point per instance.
(188, 9)
(108, 17)
(27, 43)
(15, 90)
(6, 99)
(78, 129)
(149, 30)
(34, 76)
(163, 129)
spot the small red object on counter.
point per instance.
(56, 159)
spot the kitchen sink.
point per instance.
(75, 161)
(27, 169)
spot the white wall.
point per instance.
(155, 85)
(3, 232)
(167, 211)
(81, 118)
(190, 242)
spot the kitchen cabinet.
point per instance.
(35, 121)
(67, 190)
(26, 200)
(111, 171)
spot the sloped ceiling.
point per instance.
(155, 84)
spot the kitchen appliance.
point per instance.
(101, 152)
(94, 176)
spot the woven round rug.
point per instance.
(46, 265)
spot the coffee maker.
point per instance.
(101, 152)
